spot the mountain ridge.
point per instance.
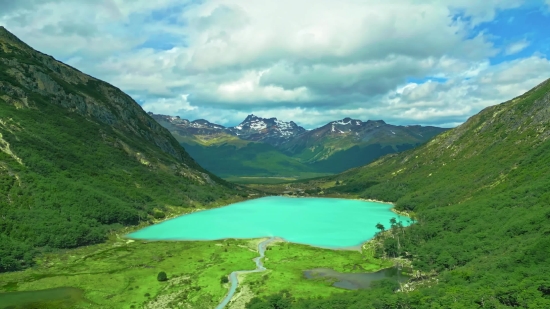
(78, 157)
(331, 148)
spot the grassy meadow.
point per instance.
(122, 273)
(285, 263)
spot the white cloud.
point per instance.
(302, 60)
(169, 106)
(516, 47)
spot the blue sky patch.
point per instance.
(529, 23)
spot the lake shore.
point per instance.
(392, 209)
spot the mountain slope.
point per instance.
(232, 152)
(345, 133)
(347, 143)
(78, 158)
(481, 195)
(289, 150)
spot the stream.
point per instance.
(233, 276)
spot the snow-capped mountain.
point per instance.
(346, 133)
(267, 130)
(334, 147)
(185, 127)
(253, 128)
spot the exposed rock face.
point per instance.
(268, 130)
(185, 127)
(253, 128)
(280, 133)
(350, 131)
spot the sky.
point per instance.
(428, 62)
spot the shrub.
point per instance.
(224, 279)
(162, 276)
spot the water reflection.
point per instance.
(354, 281)
(63, 297)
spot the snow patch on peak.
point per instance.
(341, 122)
(347, 121)
(258, 125)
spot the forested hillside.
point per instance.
(481, 196)
(79, 158)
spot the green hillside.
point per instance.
(253, 159)
(79, 158)
(354, 156)
(481, 196)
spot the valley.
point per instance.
(122, 273)
(83, 167)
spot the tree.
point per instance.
(162, 276)
(393, 222)
(224, 279)
(380, 226)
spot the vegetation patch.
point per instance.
(122, 273)
(286, 262)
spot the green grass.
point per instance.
(285, 263)
(122, 273)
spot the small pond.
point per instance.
(355, 281)
(58, 298)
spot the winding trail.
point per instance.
(259, 268)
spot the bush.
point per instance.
(162, 276)
(224, 279)
(159, 214)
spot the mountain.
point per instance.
(267, 130)
(347, 143)
(253, 128)
(356, 132)
(78, 158)
(480, 194)
(226, 152)
(286, 149)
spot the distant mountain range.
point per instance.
(271, 147)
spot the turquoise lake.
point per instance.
(321, 222)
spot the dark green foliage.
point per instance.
(224, 279)
(281, 300)
(356, 156)
(253, 159)
(162, 276)
(262, 159)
